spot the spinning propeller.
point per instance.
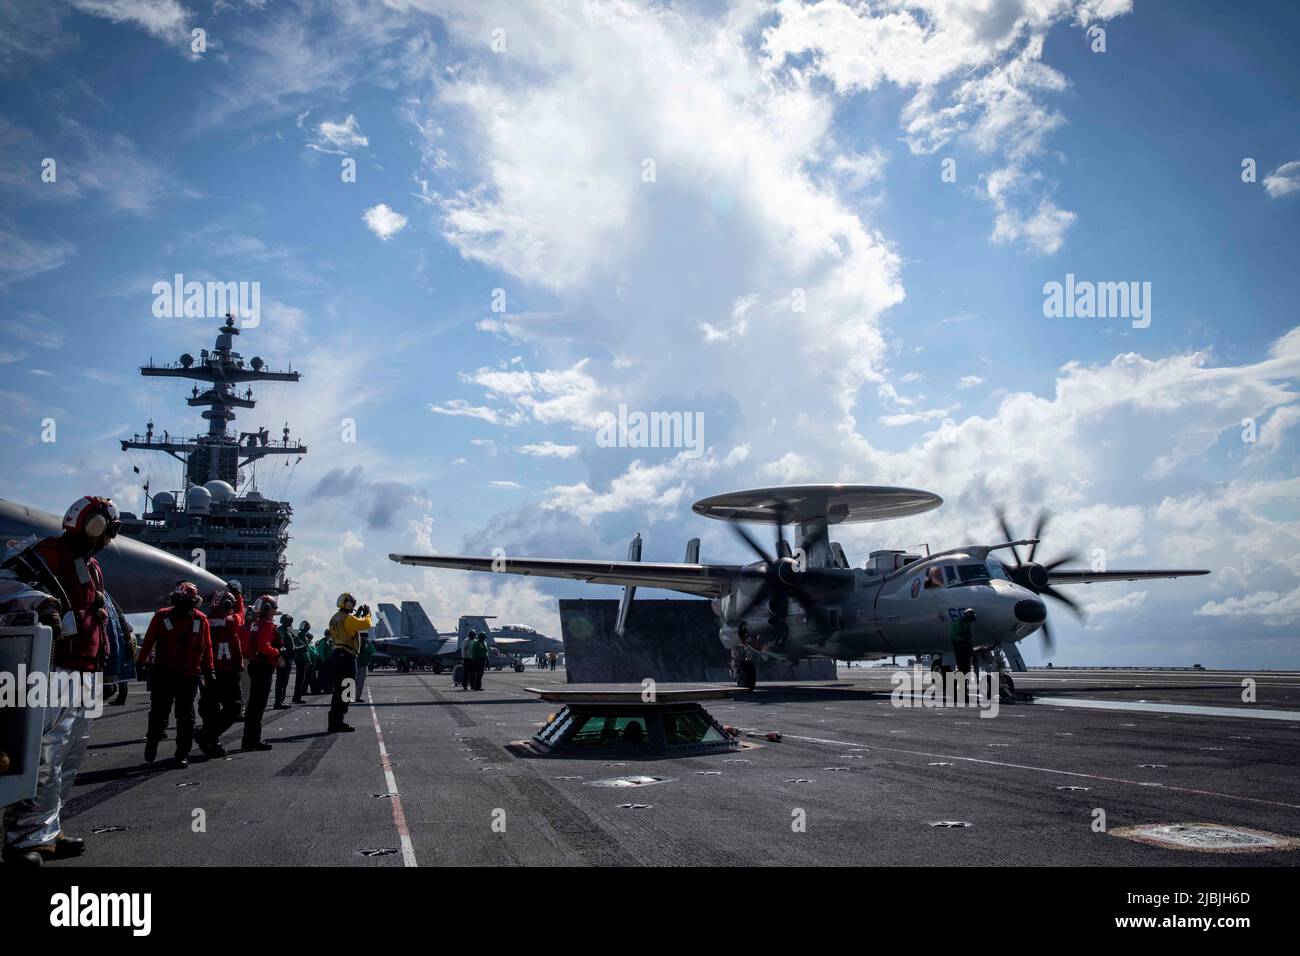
(1037, 577)
(782, 580)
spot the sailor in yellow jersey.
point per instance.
(344, 630)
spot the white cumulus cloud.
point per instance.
(1284, 180)
(383, 221)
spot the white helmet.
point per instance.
(93, 516)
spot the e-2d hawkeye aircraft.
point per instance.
(804, 600)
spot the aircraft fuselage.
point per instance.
(909, 613)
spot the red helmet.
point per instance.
(224, 601)
(93, 516)
(185, 596)
(265, 606)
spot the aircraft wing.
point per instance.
(1091, 577)
(702, 580)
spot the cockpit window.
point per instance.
(996, 570)
(969, 573)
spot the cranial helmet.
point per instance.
(265, 606)
(346, 601)
(235, 586)
(305, 626)
(286, 619)
(94, 517)
(185, 596)
(224, 600)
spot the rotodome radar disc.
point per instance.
(837, 504)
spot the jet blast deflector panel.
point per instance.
(664, 640)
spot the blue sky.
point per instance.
(796, 147)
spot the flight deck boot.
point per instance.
(22, 857)
(64, 848)
(211, 747)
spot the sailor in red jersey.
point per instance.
(261, 647)
(219, 704)
(65, 568)
(181, 643)
(237, 591)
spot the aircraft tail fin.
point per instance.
(388, 621)
(629, 592)
(472, 622)
(415, 623)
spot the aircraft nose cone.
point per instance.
(140, 577)
(1031, 612)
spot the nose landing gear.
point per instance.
(994, 660)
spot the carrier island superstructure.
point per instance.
(219, 518)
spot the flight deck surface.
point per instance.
(427, 780)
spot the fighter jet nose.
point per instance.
(140, 577)
(1031, 612)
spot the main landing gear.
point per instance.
(746, 674)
